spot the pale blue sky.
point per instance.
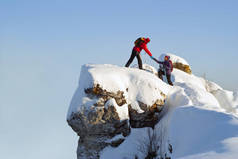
(44, 43)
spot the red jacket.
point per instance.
(142, 46)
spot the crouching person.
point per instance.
(166, 67)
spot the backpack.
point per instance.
(171, 63)
(139, 41)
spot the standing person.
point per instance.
(166, 69)
(140, 43)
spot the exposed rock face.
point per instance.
(104, 96)
(150, 116)
(109, 101)
(183, 67)
(99, 124)
(140, 120)
(102, 122)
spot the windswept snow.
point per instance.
(228, 100)
(195, 90)
(211, 86)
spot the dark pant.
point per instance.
(133, 54)
(161, 73)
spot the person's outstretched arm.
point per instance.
(159, 62)
(147, 51)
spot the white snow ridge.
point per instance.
(197, 119)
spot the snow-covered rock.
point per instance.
(110, 100)
(137, 85)
(147, 68)
(117, 112)
(195, 89)
(178, 62)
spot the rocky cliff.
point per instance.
(111, 100)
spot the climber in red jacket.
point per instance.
(140, 43)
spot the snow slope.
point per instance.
(206, 94)
(199, 125)
(198, 133)
(207, 125)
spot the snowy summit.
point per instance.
(131, 113)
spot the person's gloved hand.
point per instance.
(152, 57)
